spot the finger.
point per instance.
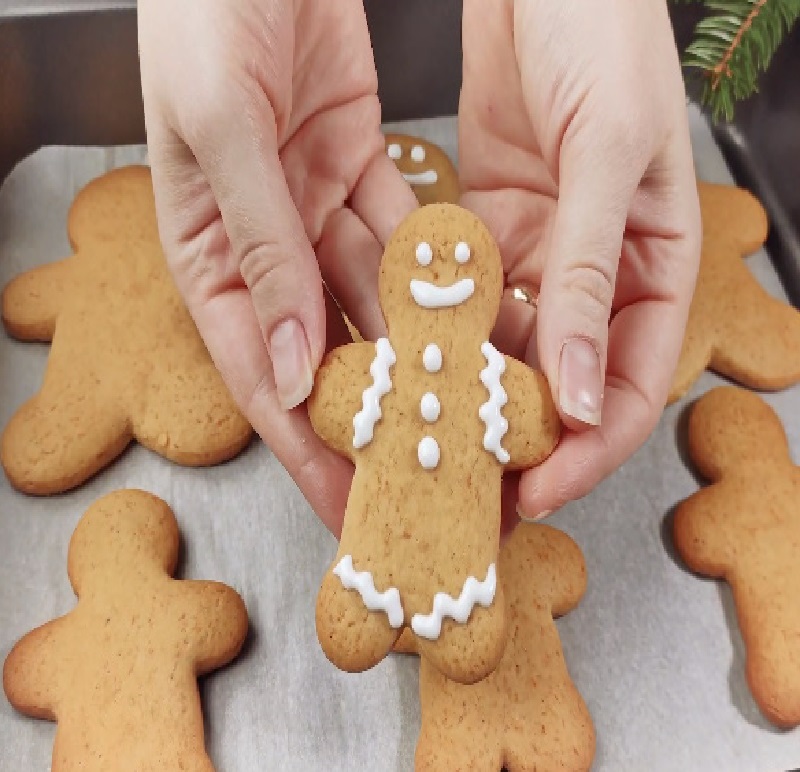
(382, 198)
(231, 330)
(237, 150)
(643, 337)
(598, 179)
(349, 257)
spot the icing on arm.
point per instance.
(490, 411)
(364, 421)
(533, 424)
(338, 394)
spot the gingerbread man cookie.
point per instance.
(431, 416)
(735, 327)
(527, 715)
(745, 528)
(126, 359)
(426, 167)
(119, 672)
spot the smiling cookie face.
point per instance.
(444, 269)
(426, 167)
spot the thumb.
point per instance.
(239, 156)
(597, 181)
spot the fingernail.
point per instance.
(580, 385)
(527, 519)
(291, 363)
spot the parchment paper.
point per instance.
(655, 651)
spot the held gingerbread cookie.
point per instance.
(526, 716)
(735, 327)
(431, 416)
(745, 528)
(126, 359)
(426, 167)
(119, 672)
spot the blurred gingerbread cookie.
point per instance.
(745, 528)
(426, 167)
(527, 715)
(126, 360)
(735, 327)
(119, 672)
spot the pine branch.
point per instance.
(734, 44)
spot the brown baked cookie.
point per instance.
(426, 167)
(431, 416)
(119, 672)
(126, 360)
(735, 327)
(745, 528)
(526, 716)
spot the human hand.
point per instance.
(574, 149)
(263, 127)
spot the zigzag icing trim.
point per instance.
(490, 412)
(370, 413)
(474, 592)
(361, 581)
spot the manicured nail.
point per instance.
(291, 363)
(580, 385)
(527, 519)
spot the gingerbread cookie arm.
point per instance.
(741, 352)
(219, 612)
(533, 423)
(339, 394)
(200, 426)
(61, 438)
(702, 531)
(31, 672)
(32, 301)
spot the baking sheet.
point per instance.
(654, 650)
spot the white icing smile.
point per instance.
(428, 177)
(430, 295)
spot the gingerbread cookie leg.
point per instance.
(31, 302)
(61, 438)
(192, 427)
(351, 635)
(483, 636)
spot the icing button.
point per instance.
(429, 407)
(428, 453)
(432, 358)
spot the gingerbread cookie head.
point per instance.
(432, 416)
(112, 209)
(745, 528)
(442, 267)
(132, 537)
(426, 167)
(730, 427)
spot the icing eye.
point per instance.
(462, 252)
(424, 253)
(418, 154)
(394, 151)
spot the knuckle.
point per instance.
(263, 266)
(592, 287)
